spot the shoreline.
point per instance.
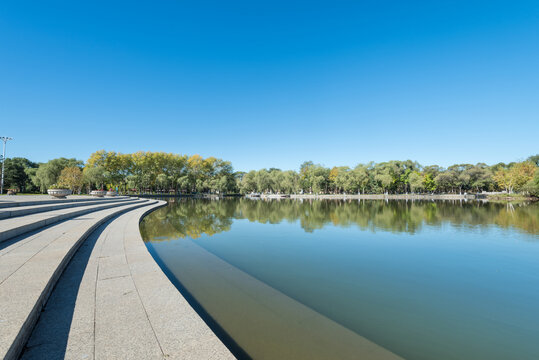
(391, 197)
(413, 197)
(424, 197)
(13, 200)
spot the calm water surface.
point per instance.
(349, 279)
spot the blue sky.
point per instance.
(272, 84)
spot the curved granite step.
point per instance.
(10, 212)
(12, 227)
(114, 302)
(34, 269)
(16, 251)
(24, 200)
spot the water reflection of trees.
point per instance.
(192, 218)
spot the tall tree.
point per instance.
(48, 173)
(17, 173)
(71, 178)
(534, 159)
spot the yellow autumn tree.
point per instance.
(521, 173)
(71, 178)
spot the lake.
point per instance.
(328, 279)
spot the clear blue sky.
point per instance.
(272, 84)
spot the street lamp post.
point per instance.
(5, 139)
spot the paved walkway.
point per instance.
(112, 301)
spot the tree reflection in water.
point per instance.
(194, 217)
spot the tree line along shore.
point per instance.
(159, 172)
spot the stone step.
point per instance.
(30, 270)
(9, 212)
(14, 252)
(30, 200)
(114, 302)
(16, 226)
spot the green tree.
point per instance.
(417, 185)
(262, 180)
(384, 176)
(361, 176)
(521, 174)
(94, 177)
(17, 174)
(429, 183)
(446, 181)
(306, 177)
(49, 172)
(534, 159)
(340, 179)
(162, 181)
(480, 177)
(248, 182)
(532, 186)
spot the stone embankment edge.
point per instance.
(160, 204)
(210, 342)
(27, 328)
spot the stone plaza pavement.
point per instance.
(77, 282)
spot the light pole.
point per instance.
(5, 139)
